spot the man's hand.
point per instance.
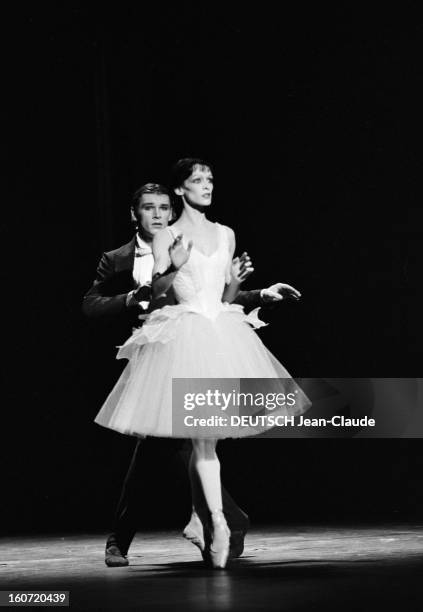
(179, 255)
(278, 292)
(142, 294)
(241, 268)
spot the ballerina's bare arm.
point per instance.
(233, 282)
(169, 255)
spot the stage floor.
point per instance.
(296, 568)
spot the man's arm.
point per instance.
(269, 295)
(96, 302)
(249, 299)
(240, 269)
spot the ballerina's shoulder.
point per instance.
(229, 233)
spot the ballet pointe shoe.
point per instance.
(194, 532)
(219, 549)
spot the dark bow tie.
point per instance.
(141, 251)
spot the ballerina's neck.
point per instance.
(193, 216)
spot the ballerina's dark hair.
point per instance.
(184, 168)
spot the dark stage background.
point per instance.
(313, 122)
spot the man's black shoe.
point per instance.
(114, 557)
(236, 544)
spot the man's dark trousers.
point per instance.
(130, 510)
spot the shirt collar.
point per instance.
(141, 245)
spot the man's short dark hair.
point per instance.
(184, 168)
(155, 188)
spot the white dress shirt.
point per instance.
(143, 267)
(143, 262)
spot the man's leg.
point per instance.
(125, 524)
(134, 498)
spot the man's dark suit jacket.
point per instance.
(106, 298)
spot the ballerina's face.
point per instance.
(198, 187)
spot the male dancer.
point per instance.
(122, 290)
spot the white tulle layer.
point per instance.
(177, 342)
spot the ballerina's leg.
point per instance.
(207, 465)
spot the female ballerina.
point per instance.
(202, 336)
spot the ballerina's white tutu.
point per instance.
(200, 337)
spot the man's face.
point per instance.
(153, 213)
(197, 189)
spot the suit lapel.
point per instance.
(125, 259)
(124, 265)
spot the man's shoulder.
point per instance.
(122, 251)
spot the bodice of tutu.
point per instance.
(198, 287)
(200, 282)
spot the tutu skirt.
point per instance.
(178, 343)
